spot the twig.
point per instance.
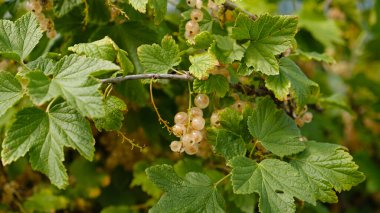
(222, 179)
(185, 77)
(233, 6)
(160, 119)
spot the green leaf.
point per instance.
(10, 91)
(44, 135)
(38, 201)
(275, 130)
(201, 64)
(275, 181)
(72, 81)
(217, 84)
(39, 87)
(194, 193)
(159, 7)
(159, 59)
(226, 49)
(269, 36)
(302, 88)
(279, 84)
(125, 64)
(45, 65)
(203, 40)
(114, 117)
(18, 39)
(326, 167)
(139, 5)
(103, 49)
(61, 8)
(322, 57)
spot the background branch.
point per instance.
(184, 77)
(232, 6)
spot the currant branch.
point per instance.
(233, 6)
(186, 77)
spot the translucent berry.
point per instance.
(179, 130)
(192, 27)
(196, 136)
(196, 112)
(186, 139)
(176, 146)
(215, 119)
(307, 117)
(201, 101)
(191, 3)
(180, 118)
(198, 4)
(239, 105)
(198, 123)
(196, 15)
(192, 149)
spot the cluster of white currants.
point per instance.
(37, 7)
(306, 117)
(189, 127)
(192, 26)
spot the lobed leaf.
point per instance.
(217, 84)
(114, 117)
(10, 91)
(201, 64)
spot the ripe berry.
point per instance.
(196, 136)
(201, 101)
(196, 112)
(198, 123)
(191, 3)
(198, 4)
(186, 139)
(307, 117)
(179, 130)
(180, 118)
(176, 146)
(191, 149)
(192, 27)
(196, 15)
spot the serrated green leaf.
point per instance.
(39, 87)
(61, 8)
(18, 39)
(269, 36)
(125, 64)
(302, 88)
(217, 84)
(45, 65)
(326, 167)
(203, 40)
(194, 193)
(10, 91)
(201, 64)
(73, 82)
(159, 7)
(275, 181)
(103, 49)
(139, 5)
(226, 49)
(317, 56)
(113, 118)
(140, 178)
(279, 84)
(44, 135)
(276, 131)
(38, 201)
(159, 59)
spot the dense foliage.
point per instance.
(189, 106)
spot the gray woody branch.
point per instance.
(184, 77)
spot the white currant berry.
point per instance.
(192, 27)
(176, 146)
(187, 139)
(307, 117)
(191, 3)
(196, 136)
(198, 123)
(179, 129)
(180, 118)
(239, 105)
(196, 15)
(188, 36)
(201, 101)
(215, 119)
(196, 112)
(192, 149)
(198, 4)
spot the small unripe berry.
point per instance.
(196, 15)
(192, 27)
(201, 101)
(179, 130)
(198, 123)
(191, 3)
(307, 117)
(180, 118)
(196, 112)
(176, 146)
